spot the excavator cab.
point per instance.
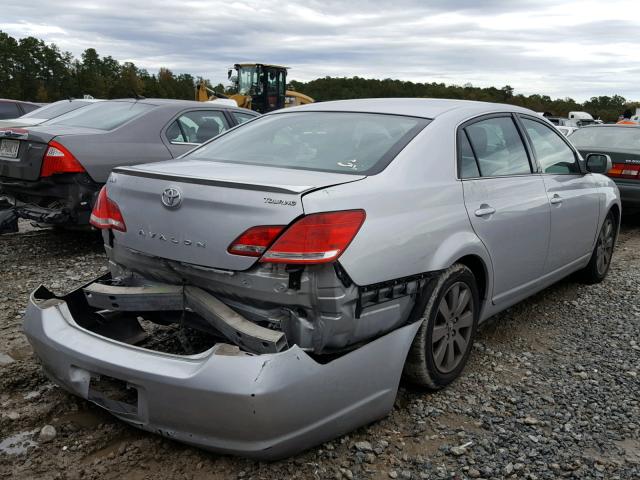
(264, 85)
(258, 86)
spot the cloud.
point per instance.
(576, 48)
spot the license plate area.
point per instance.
(9, 148)
(115, 395)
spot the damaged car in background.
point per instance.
(267, 290)
(51, 173)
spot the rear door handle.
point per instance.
(556, 199)
(484, 210)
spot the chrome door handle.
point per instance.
(556, 199)
(484, 210)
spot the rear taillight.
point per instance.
(316, 238)
(255, 241)
(57, 159)
(625, 170)
(106, 213)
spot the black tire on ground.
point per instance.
(598, 266)
(450, 306)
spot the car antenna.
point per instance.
(138, 97)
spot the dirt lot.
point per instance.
(552, 391)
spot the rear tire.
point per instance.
(598, 266)
(450, 307)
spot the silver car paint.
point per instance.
(516, 234)
(573, 226)
(417, 222)
(422, 221)
(230, 202)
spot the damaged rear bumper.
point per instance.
(265, 406)
(50, 216)
(63, 199)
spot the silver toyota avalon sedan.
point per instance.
(268, 289)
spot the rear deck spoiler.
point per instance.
(131, 171)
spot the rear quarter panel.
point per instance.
(416, 219)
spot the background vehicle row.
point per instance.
(51, 173)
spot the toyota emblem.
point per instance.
(171, 197)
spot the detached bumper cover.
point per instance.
(264, 406)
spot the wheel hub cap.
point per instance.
(452, 328)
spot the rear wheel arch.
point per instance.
(615, 209)
(423, 364)
(480, 272)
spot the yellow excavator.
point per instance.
(258, 86)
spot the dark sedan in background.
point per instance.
(622, 144)
(15, 108)
(52, 173)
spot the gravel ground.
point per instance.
(552, 391)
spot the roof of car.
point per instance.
(88, 100)
(177, 102)
(416, 107)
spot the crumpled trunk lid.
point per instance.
(191, 211)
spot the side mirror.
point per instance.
(598, 163)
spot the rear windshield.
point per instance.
(102, 115)
(618, 138)
(342, 142)
(56, 109)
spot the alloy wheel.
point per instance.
(604, 247)
(453, 327)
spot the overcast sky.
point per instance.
(560, 48)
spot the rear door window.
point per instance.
(552, 153)
(197, 126)
(468, 165)
(498, 147)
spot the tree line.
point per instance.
(608, 108)
(34, 70)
